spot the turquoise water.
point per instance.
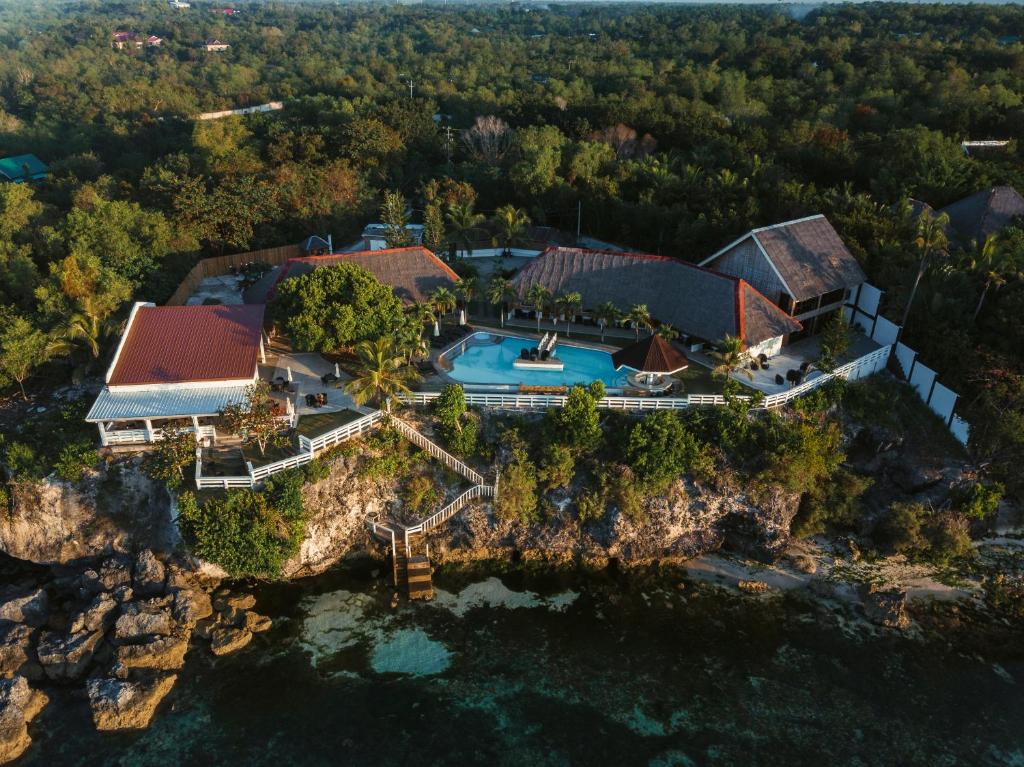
(486, 358)
(567, 670)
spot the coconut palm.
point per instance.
(667, 332)
(538, 296)
(382, 373)
(425, 315)
(607, 314)
(511, 223)
(500, 292)
(731, 358)
(442, 300)
(995, 264)
(466, 288)
(464, 223)
(931, 238)
(568, 304)
(409, 337)
(86, 325)
(640, 317)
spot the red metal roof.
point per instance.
(177, 344)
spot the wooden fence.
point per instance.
(218, 266)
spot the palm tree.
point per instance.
(731, 357)
(567, 305)
(667, 332)
(606, 314)
(467, 288)
(538, 297)
(442, 300)
(639, 316)
(382, 373)
(995, 264)
(931, 238)
(409, 337)
(499, 292)
(425, 315)
(87, 324)
(465, 223)
(510, 222)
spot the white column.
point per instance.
(195, 427)
(103, 434)
(263, 353)
(149, 429)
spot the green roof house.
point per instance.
(23, 167)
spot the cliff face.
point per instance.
(115, 510)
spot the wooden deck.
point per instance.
(412, 569)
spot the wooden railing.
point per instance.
(435, 451)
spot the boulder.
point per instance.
(161, 653)
(224, 602)
(257, 623)
(228, 639)
(149, 577)
(753, 587)
(139, 620)
(915, 479)
(30, 607)
(114, 572)
(98, 616)
(19, 705)
(886, 607)
(191, 606)
(67, 656)
(15, 648)
(233, 616)
(204, 628)
(123, 704)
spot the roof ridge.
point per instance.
(786, 223)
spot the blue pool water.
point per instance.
(486, 358)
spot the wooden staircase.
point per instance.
(412, 569)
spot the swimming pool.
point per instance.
(486, 358)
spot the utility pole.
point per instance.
(448, 144)
(408, 82)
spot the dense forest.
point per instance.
(672, 129)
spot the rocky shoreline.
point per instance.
(120, 627)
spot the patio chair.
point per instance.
(754, 365)
(779, 380)
(804, 365)
(545, 354)
(763, 358)
(524, 354)
(310, 400)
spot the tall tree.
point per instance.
(255, 420)
(465, 224)
(500, 292)
(511, 223)
(930, 239)
(538, 296)
(396, 220)
(640, 317)
(568, 304)
(606, 314)
(731, 358)
(995, 264)
(467, 288)
(382, 373)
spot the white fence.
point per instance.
(342, 433)
(940, 399)
(861, 367)
(272, 106)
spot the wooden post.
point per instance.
(149, 429)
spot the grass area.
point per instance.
(698, 380)
(224, 462)
(270, 455)
(320, 423)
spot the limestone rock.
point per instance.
(19, 705)
(227, 639)
(149, 575)
(15, 648)
(233, 616)
(67, 656)
(122, 704)
(257, 623)
(97, 616)
(191, 606)
(886, 607)
(225, 601)
(204, 628)
(114, 572)
(29, 607)
(162, 653)
(136, 622)
(753, 587)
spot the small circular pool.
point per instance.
(486, 358)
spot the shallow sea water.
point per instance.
(562, 670)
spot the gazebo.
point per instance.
(653, 359)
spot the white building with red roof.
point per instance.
(178, 366)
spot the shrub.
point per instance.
(659, 449)
(578, 423)
(590, 505)
(808, 455)
(464, 440)
(23, 462)
(167, 460)
(902, 529)
(835, 504)
(419, 494)
(948, 538)
(450, 406)
(557, 466)
(74, 459)
(247, 532)
(517, 495)
(978, 501)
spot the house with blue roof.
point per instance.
(23, 167)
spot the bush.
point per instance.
(902, 529)
(517, 491)
(832, 505)
(807, 455)
(660, 449)
(23, 462)
(557, 466)
(590, 506)
(948, 538)
(978, 501)
(247, 532)
(419, 494)
(578, 424)
(75, 459)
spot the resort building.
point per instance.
(22, 168)
(178, 366)
(413, 272)
(703, 305)
(801, 266)
(983, 213)
(215, 45)
(375, 236)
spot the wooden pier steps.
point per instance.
(412, 569)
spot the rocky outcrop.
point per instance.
(163, 653)
(29, 607)
(19, 705)
(16, 653)
(117, 509)
(122, 704)
(886, 607)
(148, 576)
(67, 656)
(228, 639)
